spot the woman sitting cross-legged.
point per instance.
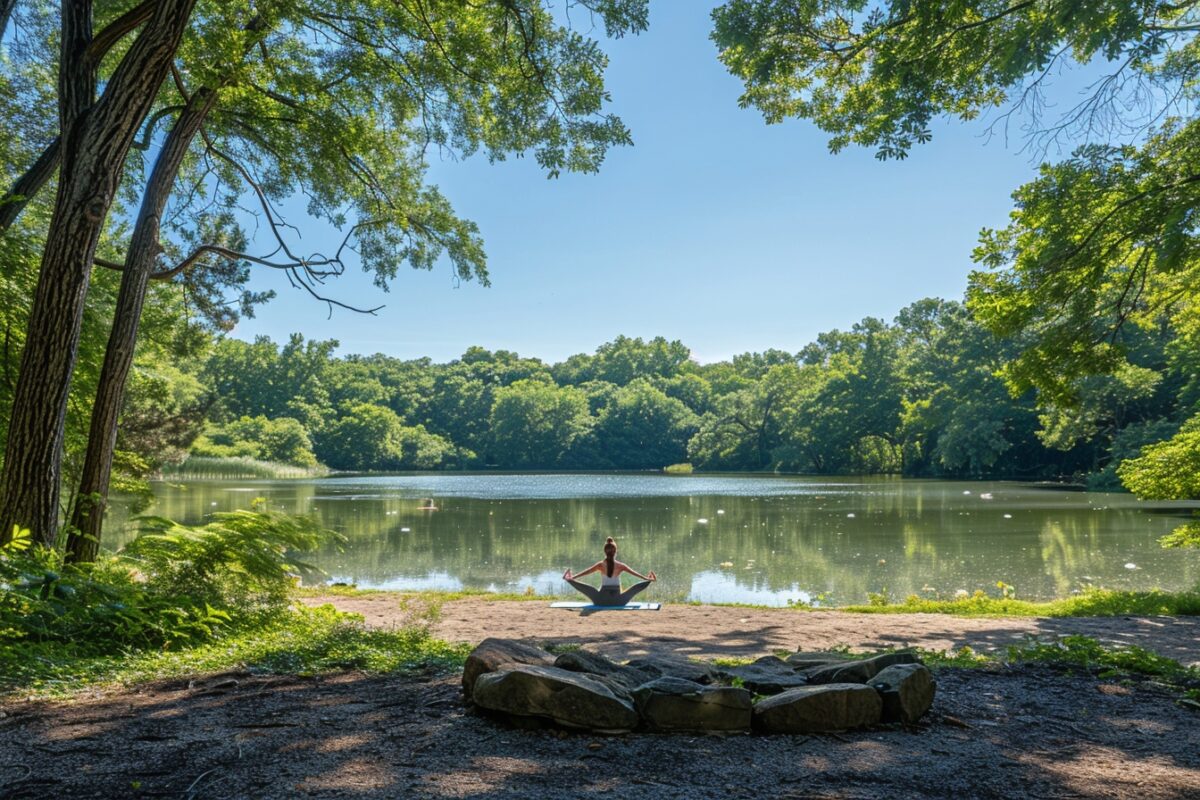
(609, 593)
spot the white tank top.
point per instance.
(615, 580)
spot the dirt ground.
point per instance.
(1007, 732)
(715, 631)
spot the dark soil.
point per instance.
(1005, 733)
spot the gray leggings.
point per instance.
(609, 595)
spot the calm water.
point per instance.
(722, 539)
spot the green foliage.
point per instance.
(173, 587)
(1090, 603)
(374, 437)
(876, 74)
(93, 608)
(643, 428)
(1086, 653)
(537, 424)
(243, 560)
(210, 468)
(283, 440)
(1168, 470)
(301, 641)
(1100, 255)
(919, 396)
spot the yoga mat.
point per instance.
(582, 606)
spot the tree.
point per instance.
(503, 77)
(1169, 470)
(535, 424)
(95, 135)
(642, 428)
(1098, 245)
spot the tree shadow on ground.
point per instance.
(1025, 732)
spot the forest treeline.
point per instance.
(924, 395)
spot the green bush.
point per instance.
(242, 561)
(91, 608)
(172, 585)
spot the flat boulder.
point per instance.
(806, 660)
(493, 654)
(907, 692)
(619, 678)
(767, 675)
(819, 709)
(859, 671)
(674, 667)
(674, 704)
(570, 699)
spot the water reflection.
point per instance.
(718, 539)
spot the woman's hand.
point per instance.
(653, 577)
(567, 575)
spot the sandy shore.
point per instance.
(714, 631)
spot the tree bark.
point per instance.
(26, 186)
(87, 517)
(6, 9)
(95, 136)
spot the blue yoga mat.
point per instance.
(579, 605)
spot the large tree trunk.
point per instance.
(95, 139)
(6, 9)
(87, 518)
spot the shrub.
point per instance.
(242, 561)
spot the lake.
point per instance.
(754, 539)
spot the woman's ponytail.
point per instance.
(610, 552)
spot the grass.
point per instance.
(300, 642)
(431, 596)
(678, 469)
(1091, 603)
(213, 468)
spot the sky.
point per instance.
(713, 228)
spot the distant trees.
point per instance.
(919, 396)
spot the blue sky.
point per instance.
(714, 228)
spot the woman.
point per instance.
(609, 593)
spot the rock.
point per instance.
(906, 690)
(817, 709)
(673, 704)
(492, 654)
(568, 698)
(621, 679)
(859, 671)
(805, 660)
(587, 661)
(674, 667)
(767, 675)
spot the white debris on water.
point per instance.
(703, 521)
(1008, 516)
(850, 515)
(1132, 565)
(985, 496)
(405, 530)
(720, 511)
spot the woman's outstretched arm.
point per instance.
(568, 575)
(636, 574)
